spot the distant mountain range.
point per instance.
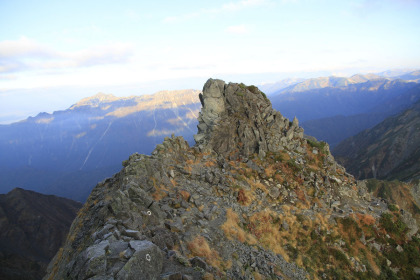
(32, 229)
(270, 88)
(334, 108)
(401, 74)
(329, 82)
(313, 99)
(66, 153)
(390, 150)
(294, 84)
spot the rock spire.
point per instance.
(238, 120)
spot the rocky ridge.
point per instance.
(253, 199)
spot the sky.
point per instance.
(53, 53)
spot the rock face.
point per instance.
(252, 199)
(240, 119)
(32, 229)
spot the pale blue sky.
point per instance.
(52, 53)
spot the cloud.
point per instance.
(193, 67)
(235, 6)
(45, 120)
(364, 8)
(23, 47)
(237, 29)
(229, 7)
(112, 54)
(184, 17)
(25, 54)
(10, 65)
(161, 132)
(7, 77)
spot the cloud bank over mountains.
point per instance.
(26, 54)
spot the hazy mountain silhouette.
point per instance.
(66, 153)
(390, 150)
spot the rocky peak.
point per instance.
(238, 120)
(95, 100)
(252, 199)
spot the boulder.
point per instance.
(146, 261)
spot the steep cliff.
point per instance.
(390, 150)
(253, 199)
(32, 229)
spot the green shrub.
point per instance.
(278, 157)
(264, 95)
(293, 165)
(392, 208)
(391, 225)
(293, 252)
(253, 89)
(315, 144)
(340, 257)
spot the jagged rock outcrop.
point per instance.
(248, 201)
(33, 227)
(240, 119)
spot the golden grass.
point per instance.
(210, 163)
(372, 263)
(258, 276)
(365, 219)
(185, 195)
(199, 247)
(279, 178)
(56, 259)
(232, 229)
(256, 185)
(188, 167)
(323, 221)
(242, 198)
(246, 197)
(270, 171)
(263, 227)
(285, 155)
(160, 191)
(310, 191)
(208, 276)
(300, 194)
(227, 264)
